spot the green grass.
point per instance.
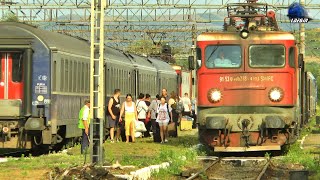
(310, 159)
(179, 152)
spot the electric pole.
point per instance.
(97, 80)
(302, 34)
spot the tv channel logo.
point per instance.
(298, 14)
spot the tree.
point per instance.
(10, 17)
(143, 47)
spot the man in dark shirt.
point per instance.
(113, 114)
(165, 94)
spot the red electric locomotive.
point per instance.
(251, 83)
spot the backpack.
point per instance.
(180, 107)
(158, 110)
(139, 109)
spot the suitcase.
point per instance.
(185, 125)
(156, 132)
(172, 130)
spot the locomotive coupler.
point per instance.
(245, 132)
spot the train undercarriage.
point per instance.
(16, 134)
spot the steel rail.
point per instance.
(203, 170)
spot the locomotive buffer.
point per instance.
(97, 80)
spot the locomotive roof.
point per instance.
(212, 36)
(52, 40)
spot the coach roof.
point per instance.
(52, 40)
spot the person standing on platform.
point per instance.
(83, 123)
(113, 115)
(186, 105)
(163, 118)
(129, 110)
(194, 114)
(153, 113)
(147, 122)
(142, 108)
(165, 94)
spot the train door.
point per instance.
(11, 84)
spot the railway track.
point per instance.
(249, 168)
(15, 153)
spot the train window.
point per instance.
(61, 75)
(66, 76)
(84, 77)
(17, 62)
(199, 57)
(88, 78)
(71, 72)
(292, 53)
(76, 73)
(266, 56)
(223, 56)
(54, 76)
(80, 77)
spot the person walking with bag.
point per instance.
(175, 116)
(163, 118)
(130, 116)
(142, 108)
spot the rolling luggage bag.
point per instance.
(172, 130)
(156, 132)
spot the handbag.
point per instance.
(140, 127)
(172, 126)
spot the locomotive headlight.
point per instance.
(214, 95)
(40, 98)
(276, 94)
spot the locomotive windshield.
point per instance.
(266, 56)
(223, 56)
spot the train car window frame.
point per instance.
(71, 88)
(85, 83)
(217, 52)
(88, 78)
(61, 82)
(266, 66)
(79, 76)
(66, 80)
(17, 67)
(292, 55)
(54, 76)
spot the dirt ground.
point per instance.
(17, 174)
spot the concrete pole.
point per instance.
(302, 34)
